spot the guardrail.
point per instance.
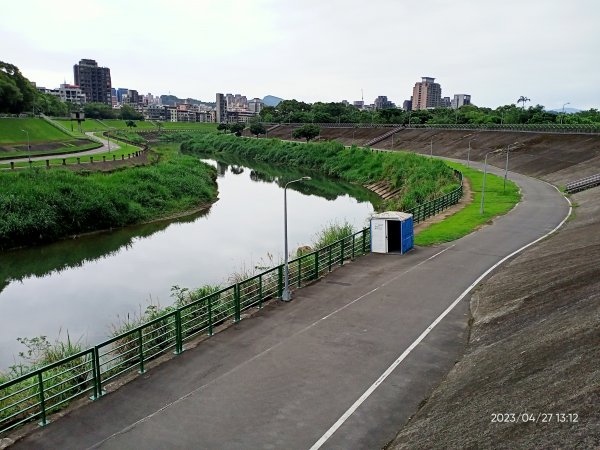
(35, 395)
(583, 184)
(534, 128)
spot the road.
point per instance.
(105, 148)
(342, 366)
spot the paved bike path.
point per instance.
(282, 378)
(106, 147)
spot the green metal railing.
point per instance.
(35, 395)
(426, 210)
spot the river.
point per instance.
(83, 286)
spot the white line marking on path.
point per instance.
(317, 445)
(199, 388)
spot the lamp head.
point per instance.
(306, 178)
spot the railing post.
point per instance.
(364, 241)
(236, 294)
(178, 333)
(98, 371)
(353, 243)
(342, 251)
(141, 350)
(316, 264)
(43, 422)
(299, 272)
(97, 375)
(260, 291)
(210, 319)
(279, 281)
(329, 261)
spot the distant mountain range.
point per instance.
(271, 100)
(172, 100)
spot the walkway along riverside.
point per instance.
(43, 391)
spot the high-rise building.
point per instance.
(382, 102)
(460, 100)
(426, 94)
(221, 116)
(94, 81)
(255, 105)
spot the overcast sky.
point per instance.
(317, 50)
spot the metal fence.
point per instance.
(425, 210)
(35, 395)
(583, 184)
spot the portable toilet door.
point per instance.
(379, 236)
(408, 235)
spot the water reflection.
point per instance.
(82, 285)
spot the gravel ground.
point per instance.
(533, 352)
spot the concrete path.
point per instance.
(310, 372)
(105, 148)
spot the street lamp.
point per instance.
(506, 165)
(484, 174)
(563, 112)
(286, 296)
(28, 145)
(469, 153)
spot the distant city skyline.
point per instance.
(317, 51)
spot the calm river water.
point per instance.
(84, 285)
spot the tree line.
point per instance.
(294, 111)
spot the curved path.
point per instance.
(342, 366)
(104, 149)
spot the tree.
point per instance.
(223, 127)
(308, 132)
(131, 124)
(128, 113)
(237, 128)
(17, 94)
(99, 111)
(257, 128)
(523, 99)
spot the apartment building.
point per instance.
(93, 80)
(426, 94)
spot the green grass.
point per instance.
(86, 125)
(467, 220)
(122, 124)
(39, 131)
(189, 126)
(44, 205)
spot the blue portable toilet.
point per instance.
(392, 232)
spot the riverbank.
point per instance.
(416, 179)
(43, 206)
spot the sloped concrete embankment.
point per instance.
(533, 352)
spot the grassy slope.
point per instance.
(39, 131)
(468, 219)
(418, 178)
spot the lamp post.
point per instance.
(506, 165)
(483, 186)
(28, 146)
(469, 153)
(563, 112)
(286, 295)
(108, 140)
